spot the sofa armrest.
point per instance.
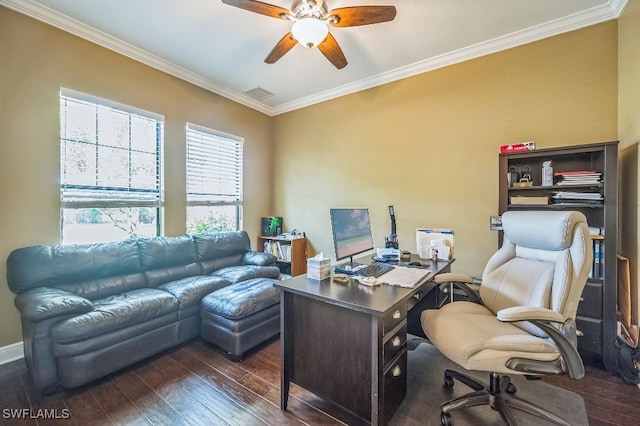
(45, 302)
(258, 258)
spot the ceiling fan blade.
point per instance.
(285, 44)
(361, 15)
(259, 7)
(330, 49)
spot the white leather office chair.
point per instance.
(525, 321)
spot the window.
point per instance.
(214, 181)
(110, 170)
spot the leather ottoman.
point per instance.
(240, 316)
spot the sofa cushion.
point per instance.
(168, 259)
(236, 274)
(213, 246)
(69, 267)
(190, 291)
(242, 299)
(100, 288)
(116, 312)
(208, 266)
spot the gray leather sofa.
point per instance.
(89, 310)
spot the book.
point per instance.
(596, 258)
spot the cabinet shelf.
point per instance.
(562, 206)
(596, 319)
(291, 253)
(555, 188)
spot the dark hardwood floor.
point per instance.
(196, 385)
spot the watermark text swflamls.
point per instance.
(28, 413)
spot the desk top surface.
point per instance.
(353, 295)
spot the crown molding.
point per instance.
(609, 11)
(569, 23)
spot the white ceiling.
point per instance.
(222, 48)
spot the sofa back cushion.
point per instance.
(167, 259)
(92, 271)
(222, 249)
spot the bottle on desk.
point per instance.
(434, 254)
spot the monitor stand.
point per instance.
(348, 268)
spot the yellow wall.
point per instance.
(429, 144)
(35, 61)
(629, 134)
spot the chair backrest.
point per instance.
(544, 262)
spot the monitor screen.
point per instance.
(351, 232)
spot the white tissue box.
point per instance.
(318, 269)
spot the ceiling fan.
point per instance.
(310, 24)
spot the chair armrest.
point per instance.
(447, 277)
(564, 338)
(529, 313)
(45, 302)
(464, 282)
(258, 258)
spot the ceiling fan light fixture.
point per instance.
(309, 32)
(311, 20)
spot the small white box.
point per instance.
(318, 269)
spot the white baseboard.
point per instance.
(11, 352)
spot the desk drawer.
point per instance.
(420, 294)
(393, 317)
(395, 342)
(395, 385)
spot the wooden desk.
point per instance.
(347, 343)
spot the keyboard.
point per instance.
(374, 269)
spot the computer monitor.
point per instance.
(351, 230)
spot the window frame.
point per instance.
(212, 201)
(127, 194)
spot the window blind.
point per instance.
(110, 155)
(214, 167)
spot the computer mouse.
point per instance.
(414, 264)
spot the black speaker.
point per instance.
(271, 226)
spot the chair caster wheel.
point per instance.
(448, 382)
(445, 419)
(511, 389)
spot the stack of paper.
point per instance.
(582, 177)
(403, 277)
(579, 197)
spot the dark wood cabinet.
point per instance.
(347, 343)
(346, 357)
(596, 317)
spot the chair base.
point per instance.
(499, 395)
